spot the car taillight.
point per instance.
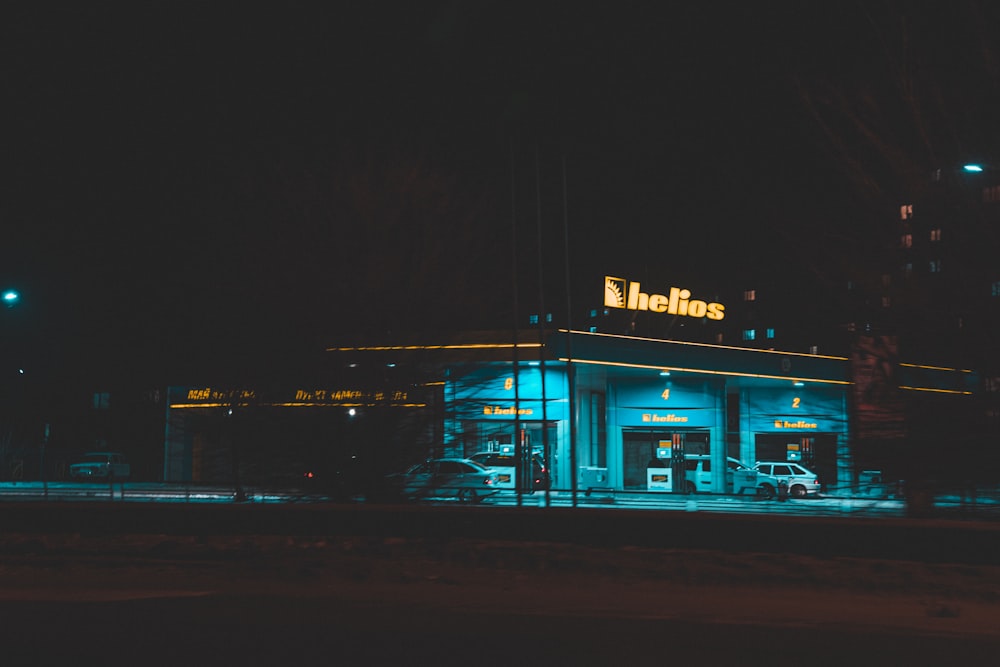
(488, 481)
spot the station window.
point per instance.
(906, 241)
(102, 401)
(593, 329)
(532, 319)
(814, 349)
(936, 234)
(598, 430)
(593, 313)
(906, 211)
(770, 332)
(750, 295)
(749, 334)
(935, 266)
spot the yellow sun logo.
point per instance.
(614, 292)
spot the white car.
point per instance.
(799, 481)
(698, 477)
(100, 465)
(467, 480)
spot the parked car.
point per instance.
(100, 465)
(799, 481)
(698, 476)
(504, 465)
(467, 480)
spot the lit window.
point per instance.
(935, 266)
(102, 401)
(814, 349)
(749, 334)
(906, 240)
(936, 175)
(593, 313)
(936, 234)
(750, 295)
(548, 317)
(906, 211)
(718, 338)
(532, 319)
(995, 288)
(593, 329)
(770, 333)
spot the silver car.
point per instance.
(800, 481)
(446, 477)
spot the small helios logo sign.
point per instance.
(621, 293)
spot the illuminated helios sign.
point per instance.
(621, 293)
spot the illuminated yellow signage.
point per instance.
(784, 423)
(209, 394)
(621, 293)
(498, 411)
(341, 395)
(208, 397)
(660, 419)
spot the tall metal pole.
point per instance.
(541, 325)
(518, 477)
(570, 369)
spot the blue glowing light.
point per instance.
(975, 168)
(10, 297)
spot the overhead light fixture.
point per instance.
(798, 383)
(665, 373)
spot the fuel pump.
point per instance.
(807, 453)
(677, 464)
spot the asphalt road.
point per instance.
(388, 585)
(954, 541)
(276, 630)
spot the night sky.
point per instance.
(192, 187)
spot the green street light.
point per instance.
(11, 297)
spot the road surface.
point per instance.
(143, 598)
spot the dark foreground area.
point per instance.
(392, 585)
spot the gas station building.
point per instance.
(603, 409)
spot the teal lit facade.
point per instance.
(597, 401)
(593, 406)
